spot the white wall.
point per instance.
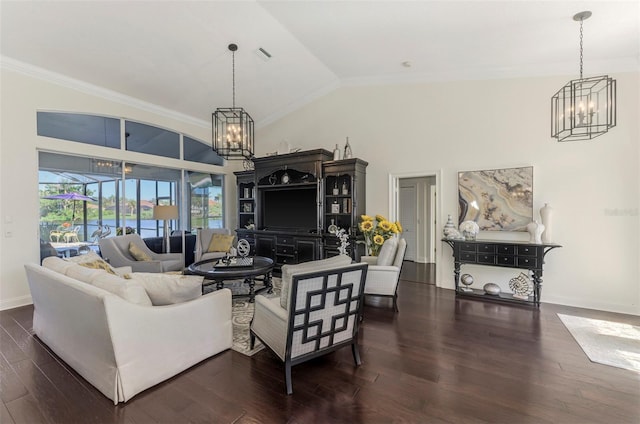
(22, 96)
(593, 186)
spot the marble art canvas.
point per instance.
(497, 199)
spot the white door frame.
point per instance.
(394, 183)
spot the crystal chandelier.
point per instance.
(584, 108)
(233, 136)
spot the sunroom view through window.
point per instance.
(85, 199)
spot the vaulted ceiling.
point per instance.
(174, 54)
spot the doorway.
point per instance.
(414, 202)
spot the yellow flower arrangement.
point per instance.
(376, 231)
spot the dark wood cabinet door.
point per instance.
(266, 246)
(306, 250)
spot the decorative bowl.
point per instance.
(492, 289)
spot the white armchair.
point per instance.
(203, 240)
(384, 270)
(116, 251)
(322, 315)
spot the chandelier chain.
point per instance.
(233, 77)
(581, 20)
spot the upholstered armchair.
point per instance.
(205, 249)
(384, 270)
(322, 315)
(120, 251)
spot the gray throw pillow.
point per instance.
(388, 252)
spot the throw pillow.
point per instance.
(220, 243)
(137, 253)
(388, 252)
(56, 264)
(129, 290)
(92, 260)
(167, 289)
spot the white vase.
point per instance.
(535, 230)
(546, 215)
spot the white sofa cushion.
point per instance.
(56, 264)
(388, 252)
(289, 270)
(130, 290)
(167, 289)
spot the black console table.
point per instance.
(509, 254)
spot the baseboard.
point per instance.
(15, 302)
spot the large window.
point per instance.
(120, 196)
(120, 202)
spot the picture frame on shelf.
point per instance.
(496, 199)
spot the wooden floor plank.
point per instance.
(441, 359)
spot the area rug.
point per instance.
(606, 342)
(242, 314)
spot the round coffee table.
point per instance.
(260, 270)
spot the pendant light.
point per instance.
(584, 108)
(233, 136)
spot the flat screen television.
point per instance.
(290, 209)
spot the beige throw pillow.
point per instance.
(93, 261)
(388, 252)
(220, 243)
(167, 289)
(137, 253)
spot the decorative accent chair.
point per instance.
(384, 270)
(204, 237)
(322, 316)
(117, 250)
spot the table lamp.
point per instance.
(166, 213)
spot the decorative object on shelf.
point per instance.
(343, 236)
(285, 178)
(247, 207)
(345, 189)
(273, 179)
(335, 206)
(467, 280)
(283, 147)
(333, 228)
(233, 135)
(492, 289)
(250, 225)
(521, 286)
(248, 165)
(535, 230)
(348, 154)
(584, 108)
(546, 215)
(449, 228)
(335, 190)
(469, 230)
(246, 192)
(497, 199)
(336, 153)
(377, 231)
(166, 213)
(243, 248)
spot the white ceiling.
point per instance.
(174, 53)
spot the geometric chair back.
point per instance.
(324, 314)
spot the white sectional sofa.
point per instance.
(117, 340)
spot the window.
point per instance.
(87, 129)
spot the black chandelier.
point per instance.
(584, 108)
(233, 127)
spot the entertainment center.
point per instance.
(290, 205)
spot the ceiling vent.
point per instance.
(263, 54)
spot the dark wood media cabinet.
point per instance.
(288, 205)
(509, 254)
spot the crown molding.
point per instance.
(84, 87)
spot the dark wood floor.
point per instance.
(439, 360)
